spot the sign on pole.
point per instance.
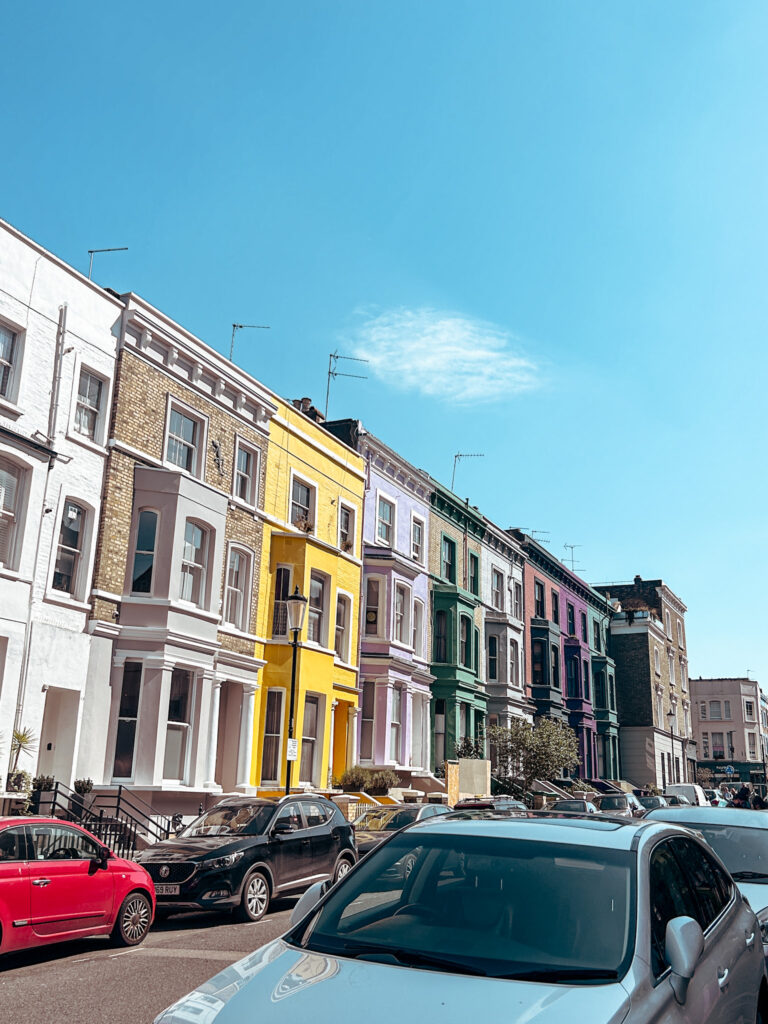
(293, 750)
(729, 769)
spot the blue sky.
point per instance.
(544, 223)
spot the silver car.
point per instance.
(530, 919)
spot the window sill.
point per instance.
(86, 442)
(67, 602)
(12, 575)
(10, 408)
(231, 630)
(235, 502)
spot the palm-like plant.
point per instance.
(24, 742)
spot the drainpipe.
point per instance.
(61, 332)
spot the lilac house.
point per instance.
(577, 670)
(395, 681)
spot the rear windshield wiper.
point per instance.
(410, 958)
(562, 974)
(748, 876)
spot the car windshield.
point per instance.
(492, 906)
(569, 805)
(234, 819)
(650, 801)
(613, 803)
(388, 819)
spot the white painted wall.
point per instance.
(48, 645)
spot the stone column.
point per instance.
(329, 782)
(352, 715)
(406, 739)
(153, 721)
(245, 749)
(213, 736)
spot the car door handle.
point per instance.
(41, 881)
(750, 939)
(722, 979)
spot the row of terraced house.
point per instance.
(158, 507)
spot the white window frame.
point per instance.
(496, 572)
(747, 716)
(346, 507)
(325, 612)
(726, 711)
(719, 716)
(318, 738)
(134, 551)
(657, 661)
(121, 668)
(198, 469)
(423, 524)
(671, 662)
(207, 530)
(313, 492)
(282, 693)
(345, 596)
(517, 598)
(751, 746)
(396, 727)
(703, 717)
(495, 638)
(252, 501)
(82, 572)
(11, 397)
(680, 640)
(18, 516)
(99, 438)
(418, 628)
(245, 611)
(391, 500)
(381, 625)
(366, 757)
(407, 627)
(276, 600)
(668, 623)
(515, 676)
(190, 726)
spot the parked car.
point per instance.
(574, 806)
(536, 919)
(501, 804)
(694, 794)
(244, 851)
(740, 839)
(58, 882)
(652, 803)
(677, 800)
(715, 798)
(374, 826)
(621, 805)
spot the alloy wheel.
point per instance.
(257, 896)
(343, 869)
(135, 918)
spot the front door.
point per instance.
(14, 889)
(68, 893)
(291, 851)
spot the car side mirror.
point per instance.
(308, 901)
(282, 828)
(101, 860)
(683, 946)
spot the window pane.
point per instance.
(179, 702)
(129, 694)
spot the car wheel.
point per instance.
(343, 867)
(408, 865)
(254, 899)
(133, 920)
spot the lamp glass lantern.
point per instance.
(296, 606)
(672, 719)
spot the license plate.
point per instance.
(166, 890)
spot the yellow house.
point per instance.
(312, 540)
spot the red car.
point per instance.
(58, 882)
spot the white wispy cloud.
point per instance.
(444, 356)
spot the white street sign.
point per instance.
(293, 750)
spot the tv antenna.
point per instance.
(571, 548)
(334, 373)
(464, 455)
(239, 327)
(119, 248)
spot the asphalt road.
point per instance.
(91, 982)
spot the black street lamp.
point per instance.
(296, 606)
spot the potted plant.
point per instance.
(23, 741)
(41, 784)
(354, 779)
(82, 788)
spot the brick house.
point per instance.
(648, 643)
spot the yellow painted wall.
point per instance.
(300, 446)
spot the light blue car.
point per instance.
(522, 920)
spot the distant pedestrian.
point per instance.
(757, 802)
(742, 797)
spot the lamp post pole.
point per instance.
(671, 719)
(296, 606)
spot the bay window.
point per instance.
(179, 725)
(316, 611)
(144, 553)
(194, 564)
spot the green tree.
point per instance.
(704, 777)
(525, 752)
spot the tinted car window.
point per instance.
(740, 849)
(569, 805)
(506, 909)
(387, 819)
(613, 803)
(57, 842)
(315, 813)
(712, 891)
(12, 844)
(292, 814)
(231, 819)
(671, 896)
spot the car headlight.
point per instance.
(223, 862)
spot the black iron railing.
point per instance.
(120, 820)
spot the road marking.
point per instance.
(228, 955)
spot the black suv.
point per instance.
(244, 851)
